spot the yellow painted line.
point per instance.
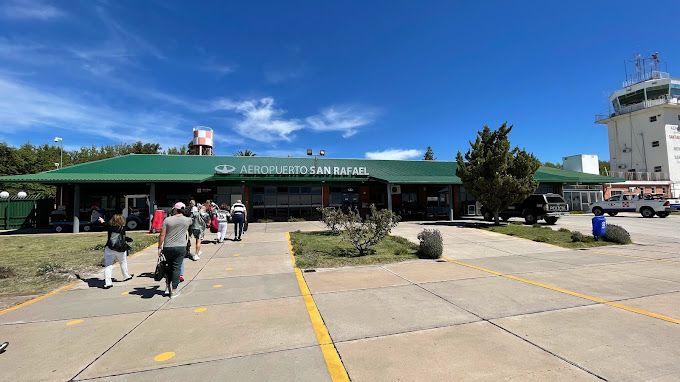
(74, 322)
(241, 245)
(128, 292)
(330, 353)
(29, 302)
(217, 286)
(164, 356)
(595, 299)
(229, 269)
(199, 310)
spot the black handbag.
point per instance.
(245, 226)
(160, 268)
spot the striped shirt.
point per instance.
(238, 208)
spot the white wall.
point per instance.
(637, 133)
(582, 163)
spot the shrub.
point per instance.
(576, 236)
(516, 223)
(617, 234)
(333, 218)
(6, 272)
(294, 220)
(541, 239)
(265, 221)
(49, 268)
(431, 244)
(365, 234)
(577, 212)
(537, 225)
(563, 230)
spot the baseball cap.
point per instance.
(178, 205)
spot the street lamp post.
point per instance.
(61, 165)
(321, 153)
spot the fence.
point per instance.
(33, 211)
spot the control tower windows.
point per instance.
(675, 90)
(632, 98)
(654, 92)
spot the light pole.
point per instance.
(321, 153)
(61, 165)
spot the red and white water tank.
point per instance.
(203, 140)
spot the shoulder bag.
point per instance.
(160, 268)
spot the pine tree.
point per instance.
(429, 154)
(495, 175)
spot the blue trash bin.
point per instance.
(599, 226)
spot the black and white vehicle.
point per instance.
(548, 207)
(647, 207)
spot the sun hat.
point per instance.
(179, 206)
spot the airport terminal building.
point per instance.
(281, 188)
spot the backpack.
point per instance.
(117, 241)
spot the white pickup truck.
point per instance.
(646, 206)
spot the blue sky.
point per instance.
(358, 79)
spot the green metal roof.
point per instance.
(197, 169)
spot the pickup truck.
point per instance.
(647, 207)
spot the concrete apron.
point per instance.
(237, 318)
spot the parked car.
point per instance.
(548, 207)
(647, 207)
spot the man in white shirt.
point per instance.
(239, 214)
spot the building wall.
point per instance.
(635, 132)
(586, 163)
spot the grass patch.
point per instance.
(577, 212)
(34, 264)
(560, 238)
(323, 249)
(265, 221)
(295, 220)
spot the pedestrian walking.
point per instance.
(172, 244)
(116, 248)
(239, 215)
(200, 220)
(223, 215)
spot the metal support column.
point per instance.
(450, 202)
(76, 208)
(152, 204)
(389, 196)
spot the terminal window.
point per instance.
(652, 119)
(655, 144)
(657, 168)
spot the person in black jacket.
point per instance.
(116, 247)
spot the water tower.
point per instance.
(203, 140)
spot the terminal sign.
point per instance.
(292, 170)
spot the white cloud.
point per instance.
(395, 154)
(346, 119)
(221, 70)
(261, 120)
(30, 10)
(26, 108)
(276, 76)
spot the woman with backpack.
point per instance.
(116, 248)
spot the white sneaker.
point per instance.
(195, 257)
(199, 254)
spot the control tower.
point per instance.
(203, 140)
(642, 124)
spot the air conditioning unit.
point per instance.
(396, 190)
(622, 166)
(627, 150)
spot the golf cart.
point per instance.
(136, 210)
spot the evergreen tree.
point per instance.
(495, 175)
(429, 154)
(553, 165)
